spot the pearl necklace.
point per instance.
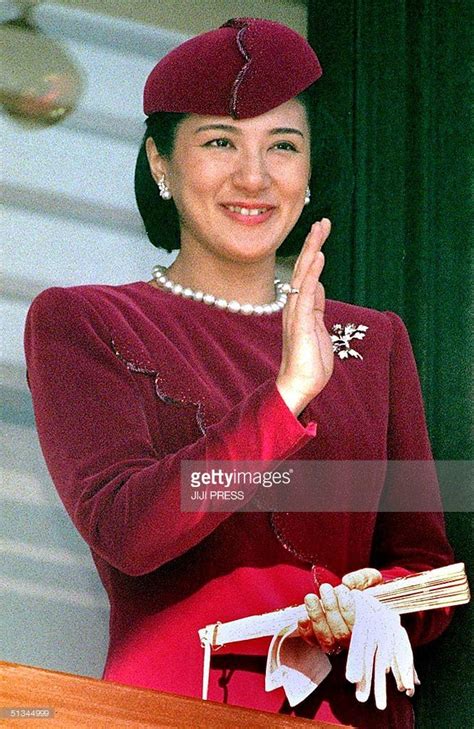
(282, 290)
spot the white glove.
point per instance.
(378, 644)
(294, 665)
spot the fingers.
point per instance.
(403, 656)
(334, 617)
(319, 623)
(319, 302)
(303, 304)
(396, 674)
(379, 643)
(313, 243)
(310, 301)
(360, 660)
(382, 661)
(327, 621)
(318, 620)
(306, 632)
(380, 683)
(363, 578)
(401, 681)
(299, 316)
(364, 686)
(405, 683)
(362, 645)
(346, 603)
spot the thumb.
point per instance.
(363, 578)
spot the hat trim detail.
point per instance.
(234, 95)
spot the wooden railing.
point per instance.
(78, 701)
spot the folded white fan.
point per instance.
(441, 587)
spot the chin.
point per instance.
(249, 251)
(250, 245)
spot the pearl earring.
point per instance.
(164, 189)
(307, 196)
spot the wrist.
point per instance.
(293, 399)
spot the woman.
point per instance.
(213, 360)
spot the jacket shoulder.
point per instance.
(383, 328)
(342, 312)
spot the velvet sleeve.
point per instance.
(123, 499)
(409, 542)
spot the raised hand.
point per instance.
(307, 354)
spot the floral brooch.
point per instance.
(341, 337)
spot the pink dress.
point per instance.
(127, 381)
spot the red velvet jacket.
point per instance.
(129, 380)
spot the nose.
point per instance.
(251, 173)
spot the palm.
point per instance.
(308, 357)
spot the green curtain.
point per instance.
(397, 82)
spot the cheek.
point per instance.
(292, 178)
(196, 192)
(201, 176)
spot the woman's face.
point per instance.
(239, 185)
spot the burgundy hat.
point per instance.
(242, 69)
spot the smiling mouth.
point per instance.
(247, 211)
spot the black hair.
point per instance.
(330, 183)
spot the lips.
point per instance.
(248, 213)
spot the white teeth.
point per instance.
(246, 211)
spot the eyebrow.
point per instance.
(236, 130)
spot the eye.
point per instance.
(286, 146)
(221, 142)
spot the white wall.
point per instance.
(69, 218)
(196, 16)
(70, 214)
